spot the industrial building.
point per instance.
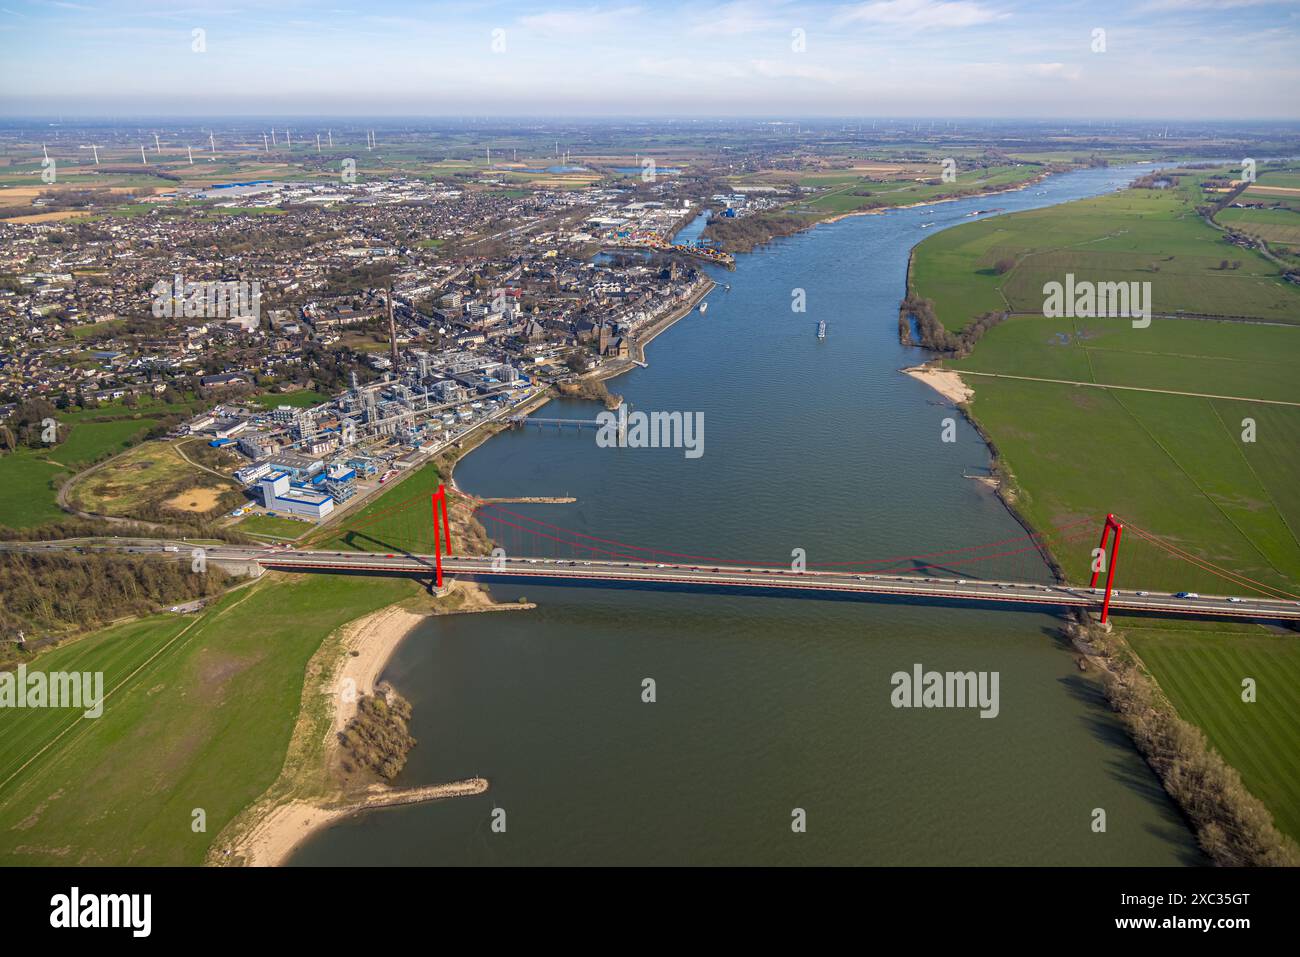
(278, 495)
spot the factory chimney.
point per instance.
(392, 329)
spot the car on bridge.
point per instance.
(1186, 594)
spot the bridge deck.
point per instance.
(777, 580)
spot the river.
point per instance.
(766, 705)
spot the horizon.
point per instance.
(1164, 60)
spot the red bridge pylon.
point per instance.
(439, 502)
(1111, 522)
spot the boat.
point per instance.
(926, 225)
(704, 307)
(821, 329)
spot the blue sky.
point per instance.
(1166, 59)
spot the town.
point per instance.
(418, 312)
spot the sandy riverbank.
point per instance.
(272, 841)
(944, 381)
(367, 644)
(308, 795)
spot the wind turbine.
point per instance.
(212, 142)
(331, 135)
(45, 151)
(274, 142)
(143, 158)
(317, 144)
(265, 148)
(190, 150)
(288, 141)
(96, 150)
(156, 147)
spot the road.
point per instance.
(804, 584)
(809, 584)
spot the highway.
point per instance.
(722, 578)
(799, 584)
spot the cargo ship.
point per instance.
(821, 329)
(704, 307)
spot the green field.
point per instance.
(273, 526)
(1202, 672)
(1137, 235)
(846, 197)
(1280, 226)
(384, 525)
(198, 714)
(27, 496)
(302, 399)
(1175, 465)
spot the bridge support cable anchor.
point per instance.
(1118, 527)
(439, 502)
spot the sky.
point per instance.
(1146, 59)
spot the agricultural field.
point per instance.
(1183, 474)
(1137, 235)
(1201, 672)
(1279, 226)
(1188, 474)
(198, 714)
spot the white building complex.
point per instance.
(280, 496)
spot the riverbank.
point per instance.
(944, 381)
(315, 788)
(789, 215)
(273, 840)
(1034, 181)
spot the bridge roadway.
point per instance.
(725, 578)
(798, 584)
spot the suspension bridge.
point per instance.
(413, 537)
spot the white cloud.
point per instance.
(921, 14)
(572, 22)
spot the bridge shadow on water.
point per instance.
(1125, 763)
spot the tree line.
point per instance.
(934, 335)
(1233, 827)
(65, 591)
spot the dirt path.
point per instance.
(189, 461)
(1129, 388)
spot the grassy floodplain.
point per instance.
(198, 714)
(1137, 235)
(1202, 672)
(1175, 464)
(859, 194)
(1180, 467)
